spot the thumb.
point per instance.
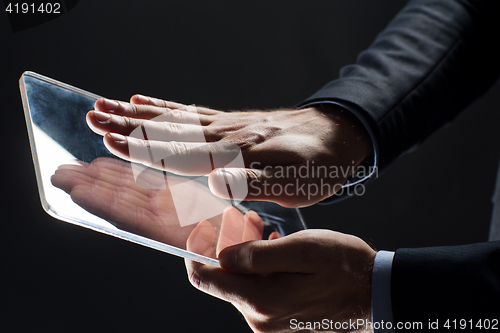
(256, 184)
(282, 255)
(230, 183)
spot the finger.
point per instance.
(99, 175)
(66, 179)
(224, 285)
(253, 228)
(126, 209)
(187, 114)
(118, 208)
(119, 185)
(291, 254)
(112, 170)
(104, 165)
(231, 230)
(133, 194)
(77, 168)
(113, 164)
(157, 129)
(183, 158)
(201, 239)
(127, 109)
(257, 297)
(121, 173)
(275, 235)
(267, 185)
(270, 185)
(145, 100)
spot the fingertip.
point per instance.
(217, 184)
(231, 212)
(110, 104)
(90, 118)
(115, 137)
(140, 99)
(231, 228)
(117, 144)
(106, 104)
(253, 217)
(134, 99)
(100, 116)
(275, 235)
(254, 226)
(55, 180)
(99, 104)
(228, 208)
(230, 184)
(93, 123)
(201, 239)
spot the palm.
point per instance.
(107, 188)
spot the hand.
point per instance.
(235, 228)
(308, 276)
(280, 148)
(107, 188)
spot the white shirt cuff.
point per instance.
(381, 293)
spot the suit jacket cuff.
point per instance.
(372, 170)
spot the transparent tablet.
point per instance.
(81, 182)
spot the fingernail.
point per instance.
(110, 104)
(101, 116)
(117, 137)
(142, 99)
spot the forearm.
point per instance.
(433, 60)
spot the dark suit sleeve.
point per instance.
(441, 283)
(430, 63)
(433, 60)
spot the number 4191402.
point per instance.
(463, 324)
(31, 8)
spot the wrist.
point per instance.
(355, 139)
(360, 260)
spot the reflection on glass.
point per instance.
(81, 182)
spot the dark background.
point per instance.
(56, 277)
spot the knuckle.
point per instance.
(254, 256)
(174, 113)
(172, 128)
(212, 134)
(252, 175)
(128, 123)
(134, 109)
(175, 128)
(178, 148)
